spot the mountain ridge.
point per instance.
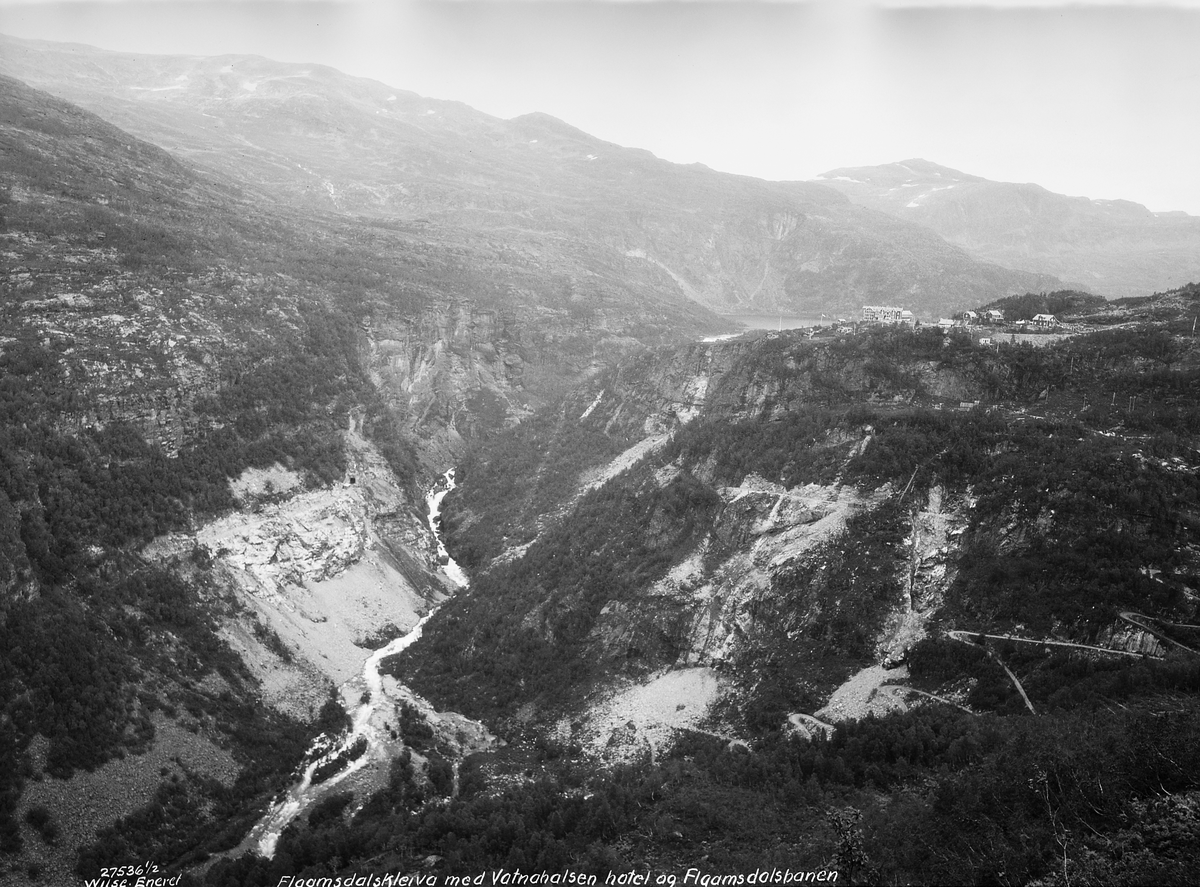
(554, 193)
(1113, 247)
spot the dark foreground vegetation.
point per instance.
(934, 796)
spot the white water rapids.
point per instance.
(364, 724)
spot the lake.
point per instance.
(779, 321)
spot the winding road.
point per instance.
(968, 637)
(1136, 619)
(807, 723)
(897, 689)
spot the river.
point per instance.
(369, 717)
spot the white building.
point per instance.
(886, 314)
(881, 314)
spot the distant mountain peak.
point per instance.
(547, 125)
(903, 172)
(1112, 247)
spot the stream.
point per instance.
(365, 725)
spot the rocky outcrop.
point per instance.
(1123, 636)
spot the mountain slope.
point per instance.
(934, 593)
(532, 189)
(1112, 247)
(762, 487)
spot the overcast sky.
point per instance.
(1093, 99)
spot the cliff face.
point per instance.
(457, 371)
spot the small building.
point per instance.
(882, 314)
(906, 318)
(985, 340)
(995, 315)
(969, 317)
(1045, 321)
(945, 323)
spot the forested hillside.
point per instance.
(109, 242)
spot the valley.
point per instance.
(385, 489)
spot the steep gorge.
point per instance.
(780, 514)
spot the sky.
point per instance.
(1096, 99)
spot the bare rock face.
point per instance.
(321, 574)
(931, 548)
(702, 611)
(309, 538)
(1123, 636)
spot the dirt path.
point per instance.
(962, 637)
(968, 637)
(896, 689)
(807, 724)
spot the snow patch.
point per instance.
(916, 201)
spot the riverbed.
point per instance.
(372, 701)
